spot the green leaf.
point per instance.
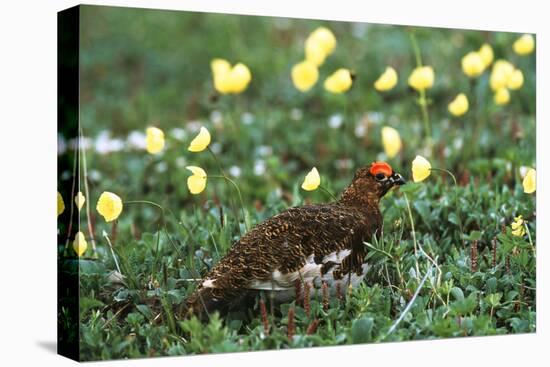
(361, 330)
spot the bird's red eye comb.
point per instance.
(381, 167)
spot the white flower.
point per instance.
(259, 167)
(235, 171)
(335, 121)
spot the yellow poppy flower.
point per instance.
(472, 64)
(486, 53)
(315, 52)
(530, 181)
(79, 200)
(502, 70)
(196, 183)
(518, 228)
(422, 78)
(79, 244)
(154, 141)
(387, 80)
(502, 96)
(421, 168)
(201, 141)
(391, 141)
(109, 206)
(339, 82)
(524, 45)
(459, 105)
(515, 80)
(304, 75)
(312, 180)
(60, 204)
(229, 79)
(324, 38)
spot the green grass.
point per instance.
(142, 68)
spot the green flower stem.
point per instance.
(70, 228)
(325, 190)
(423, 102)
(86, 193)
(414, 236)
(456, 198)
(226, 178)
(530, 239)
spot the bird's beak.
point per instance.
(397, 180)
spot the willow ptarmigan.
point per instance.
(308, 244)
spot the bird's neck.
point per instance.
(352, 196)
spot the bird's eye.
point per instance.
(380, 177)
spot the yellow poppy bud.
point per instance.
(515, 81)
(459, 105)
(391, 141)
(387, 80)
(502, 96)
(196, 183)
(79, 200)
(524, 45)
(109, 206)
(472, 64)
(530, 181)
(312, 180)
(486, 53)
(314, 52)
(79, 244)
(422, 78)
(154, 141)
(324, 38)
(201, 141)
(421, 168)
(304, 75)
(518, 228)
(339, 82)
(60, 204)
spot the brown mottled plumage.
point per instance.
(312, 243)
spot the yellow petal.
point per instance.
(197, 171)
(324, 38)
(530, 181)
(391, 141)
(219, 67)
(196, 183)
(502, 96)
(387, 80)
(304, 75)
(421, 168)
(515, 81)
(312, 180)
(459, 106)
(472, 64)
(154, 140)
(240, 77)
(109, 206)
(201, 141)
(339, 82)
(486, 53)
(422, 78)
(60, 204)
(524, 45)
(79, 200)
(79, 244)
(315, 52)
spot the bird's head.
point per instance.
(371, 183)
